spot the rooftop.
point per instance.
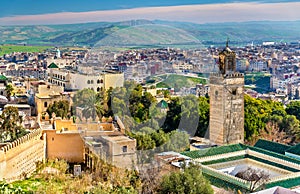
(272, 146)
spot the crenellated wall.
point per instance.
(19, 158)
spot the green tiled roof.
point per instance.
(287, 183)
(272, 146)
(2, 77)
(214, 151)
(274, 154)
(162, 104)
(294, 149)
(52, 65)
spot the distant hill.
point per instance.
(144, 32)
(150, 34)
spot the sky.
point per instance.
(21, 12)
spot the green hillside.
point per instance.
(147, 33)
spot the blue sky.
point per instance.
(30, 7)
(73, 11)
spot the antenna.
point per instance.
(227, 41)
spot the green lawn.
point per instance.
(7, 49)
(260, 80)
(179, 81)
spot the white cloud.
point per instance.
(229, 12)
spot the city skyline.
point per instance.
(189, 11)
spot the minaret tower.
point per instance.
(226, 120)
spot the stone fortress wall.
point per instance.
(18, 158)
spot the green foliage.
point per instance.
(140, 103)
(91, 102)
(293, 108)
(173, 115)
(189, 113)
(203, 112)
(60, 108)
(104, 178)
(9, 89)
(190, 181)
(259, 112)
(6, 188)
(10, 125)
(177, 141)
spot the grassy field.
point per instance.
(7, 49)
(179, 81)
(260, 80)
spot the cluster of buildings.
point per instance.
(223, 157)
(50, 137)
(57, 77)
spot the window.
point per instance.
(101, 81)
(98, 89)
(45, 104)
(98, 81)
(88, 82)
(92, 81)
(124, 148)
(234, 91)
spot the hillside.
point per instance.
(144, 32)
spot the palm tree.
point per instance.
(9, 89)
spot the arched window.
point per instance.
(101, 81)
(98, 81)
(98, 89)
(92, 81)
(88, 82)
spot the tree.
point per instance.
(91, 102)
(203, 111)
(255, 176)
(293, 108)
(8, 89)
(10, 124)
(139, 103)
(60, 108)
(272, 133)
(190, 181)
(173, 115)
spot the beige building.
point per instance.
(80, 142)
(85, 78)
(61, 62)
(89, 139)
(48, 94)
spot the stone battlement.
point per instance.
(18, 158)
(228, 75)
(21, 140)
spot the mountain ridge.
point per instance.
(88, 34)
